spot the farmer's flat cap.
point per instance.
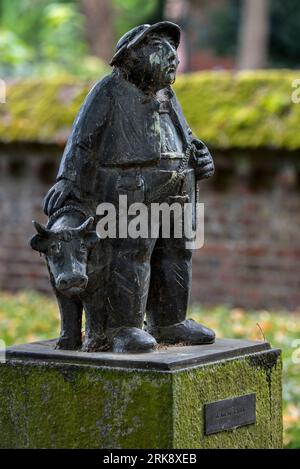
(137, 34)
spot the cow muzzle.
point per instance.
(71, 283)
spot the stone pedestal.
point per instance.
(166, 399)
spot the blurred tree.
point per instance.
(99, 27)
(61, 34)
(284, 37)
(66, 36)
(283, 44)
(194, 25)
(107, 20)
(253, 35)
(44, 37)
(17, 32)
(14, 53)
(232, 27)
(222, 32)
(196, 19)
(130, 13)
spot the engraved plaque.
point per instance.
(229, 413)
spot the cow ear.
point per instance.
(91, 239)
(38, 243)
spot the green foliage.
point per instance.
(23, 18)
(28, 316)
(14, 53)
(129, 13)
(61, 34)
(47, 37)
(44, 38)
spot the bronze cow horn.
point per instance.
(42, 230)
(86, 226)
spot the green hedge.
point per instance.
(243, 110)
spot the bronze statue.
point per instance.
(130, 138)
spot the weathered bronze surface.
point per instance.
(130, 138)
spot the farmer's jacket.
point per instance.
(117, 126)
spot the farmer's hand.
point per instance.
(58, 194)
(203, 162)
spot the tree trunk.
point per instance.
(253, 35)
(191, 14)
(99, 27)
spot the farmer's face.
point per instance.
(155, 61)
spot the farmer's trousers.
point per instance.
(146, 275)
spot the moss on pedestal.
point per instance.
(71, 406)
(61, 405)
(259, 374)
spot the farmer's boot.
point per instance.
(187, 331)
(131, 340)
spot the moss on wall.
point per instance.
(41, 111)
(243, 110)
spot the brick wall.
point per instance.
(252, 217)
(251, 252)
(25, 174)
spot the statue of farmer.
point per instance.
(130, 138)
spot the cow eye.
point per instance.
(55, 248)
(155, 42)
